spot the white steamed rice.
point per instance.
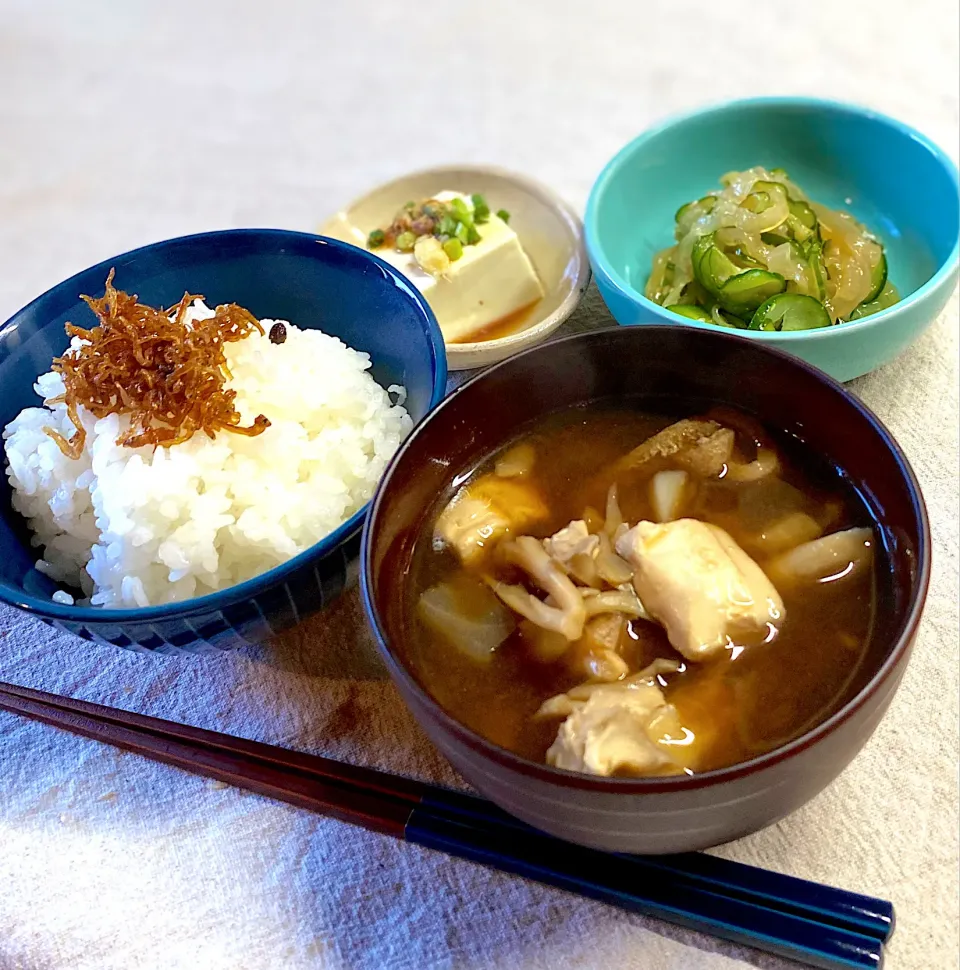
(136, 527)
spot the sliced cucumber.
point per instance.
(691, 312)
(774, 238)
(693, 294)
(814, 257)
(743, 259)
(743, 293)
(711, 267)
(886, 298)
(802, 222)
(669, 274)
(688, 214)
(803, 212)
(764, 194)
(699, 206)
(790, 311)
(722, 319)
(757, 201)
(878, 279)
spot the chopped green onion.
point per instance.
(481, 211)
(473, 237)
(447, 225)
(503, 214)
(376, 239)
(453, 248)
(461, 210)
(462, 233)
(406, 241)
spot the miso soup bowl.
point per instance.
(661, 368)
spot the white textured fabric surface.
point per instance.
(126, 123)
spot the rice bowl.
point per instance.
(134, 527)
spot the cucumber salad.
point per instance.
(760, 255)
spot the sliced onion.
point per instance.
(593, 519)
(785, 533)
(783, 261)
(614, 518)
(610, 567)
(766, 463)
(584, 570)
(681, 280)
(765, 221)
(837, 556)
(732, 237)
(850, 256)
(656, 285)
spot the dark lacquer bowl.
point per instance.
(311, 281)
(669, 369)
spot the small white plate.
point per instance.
(549, 230)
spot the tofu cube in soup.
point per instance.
(700, 585)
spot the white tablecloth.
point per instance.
(126, 123)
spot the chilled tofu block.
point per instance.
(700, 585)
(493, 279)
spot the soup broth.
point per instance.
(763, 688)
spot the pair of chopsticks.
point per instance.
(816, 925)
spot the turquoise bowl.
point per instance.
(889, 176)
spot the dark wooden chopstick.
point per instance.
(815, 924)
(859, 913)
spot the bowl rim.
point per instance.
(552, 199)
(603, 267)
(249, 589)
(655, 785)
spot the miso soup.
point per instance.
(624, 593)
